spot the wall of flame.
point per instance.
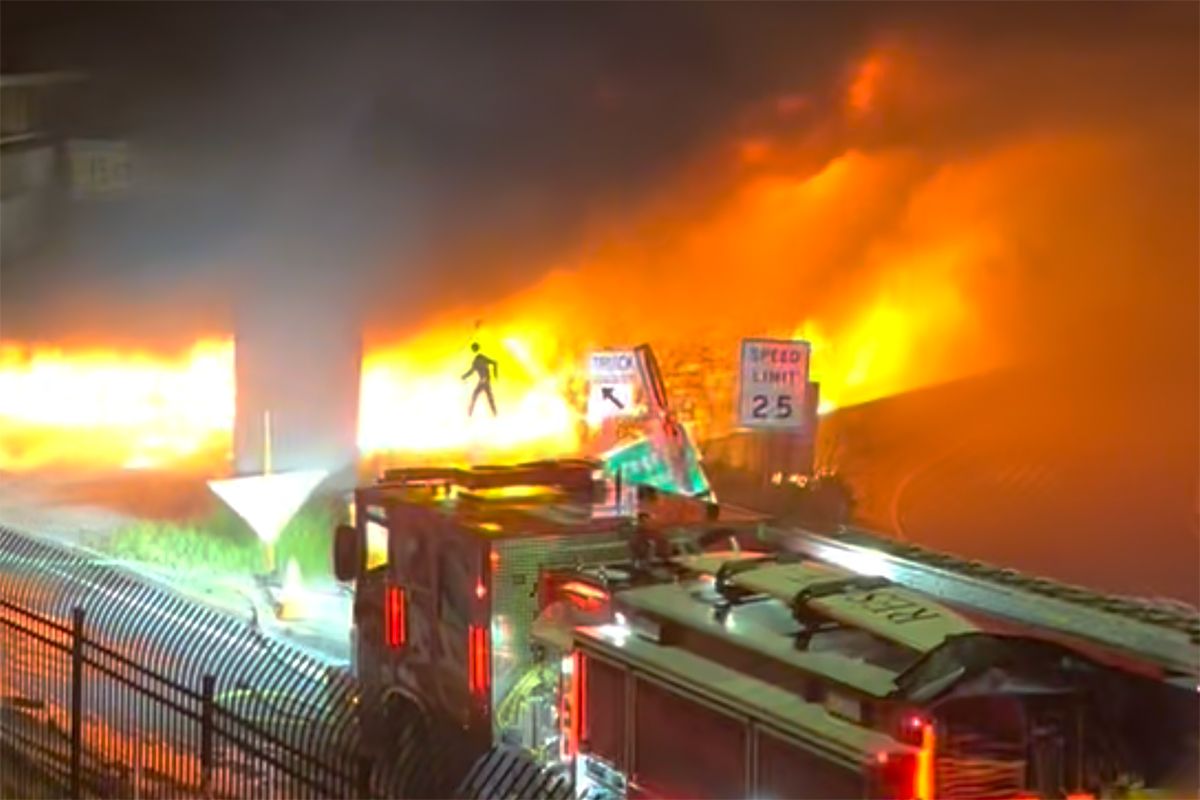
(103, 407)
(910, 228)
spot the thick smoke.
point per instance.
(965, 186)
(432, 151)
(951, 206)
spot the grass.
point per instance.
(222, 543)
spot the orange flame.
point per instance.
(865, 87)
(906, 255)
(104, 407)
(414, 401)
(751, 264)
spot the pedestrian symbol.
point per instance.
(485, 368)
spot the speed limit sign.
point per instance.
(774, 378)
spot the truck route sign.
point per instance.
(773, 381)
(612, 376)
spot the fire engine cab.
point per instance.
(651, 645)
(451, 569)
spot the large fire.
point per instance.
(106, 407)
(414, 399)
(882, 227)
(134, 410)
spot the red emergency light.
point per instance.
(477, 659)
(910, 776)
(896, 774)
(572, 712)
(395, 624)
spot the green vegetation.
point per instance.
(308, 538)
(222, 543)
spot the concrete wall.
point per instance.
(28, 190)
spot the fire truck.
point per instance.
(450, 567)
(766, 675)
(651, 645)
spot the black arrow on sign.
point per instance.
(607, 393)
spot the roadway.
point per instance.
(1082, 474)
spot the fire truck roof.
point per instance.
(815, 618)
(544, 498)
(764, 629)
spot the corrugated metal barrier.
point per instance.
(509, 772)
(113, 687)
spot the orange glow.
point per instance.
(865, 86)
(132, 409)
(513, 493)
(754, 151)
(923, 781)
(911, 248)
(872, 353)
(414, 402)
(584, 590)
(791, 104)
(104, 407)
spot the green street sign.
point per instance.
(641, 463)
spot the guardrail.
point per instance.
(111, 687)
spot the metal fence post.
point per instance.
(77, 703)
(364, 778)
(207, 689)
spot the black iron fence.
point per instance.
(93, 722)
(113, 687)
